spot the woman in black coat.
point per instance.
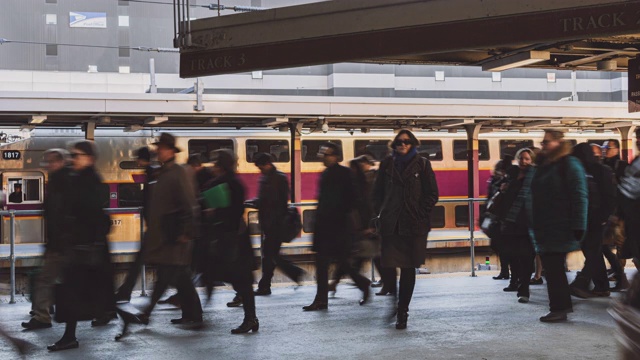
(86, 291)
(231, 257)
(404, 194)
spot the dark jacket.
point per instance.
(172, 202)
(231, 254)
(273, 196)
(511, 210)
(57, 225)
(150, 174)
(604, 178)
(364, 201)
(405, 200)
(558, 202)
(333, 223)
(16, 197)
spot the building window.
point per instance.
(124, 52)
(123, 20)
(279, 149)
(460, 150)
(511, 147)
(205, 147)
(130, 195)
(496, 77)
(310, 149)
(124, 69)
(256, 74)
(52, 50)
(51, 19)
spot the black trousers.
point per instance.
(613, 260)
(594, 267)
(521, 271)
(557, 284)
(271, 259)
(125, 290)
(388, 276)
(505, 263)
(407, 284)
(245, 290)
(322, 276)
(180, 277)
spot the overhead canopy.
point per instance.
(495, 34)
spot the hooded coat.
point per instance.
(558, 202)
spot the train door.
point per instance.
(23, 191)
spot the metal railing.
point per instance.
(143, 284)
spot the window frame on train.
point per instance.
(436, 213)
(438, 156)
(517, 145)
(482, 156)
(206, 154)
(22, 178)
(316, 146)
(121, 190)
(266, 146)
(308, 220)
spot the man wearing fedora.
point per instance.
(168, 241)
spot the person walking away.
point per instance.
(512, 213)
(231, 257)
(558, 211)
(601, 191)
(56, 236)
(404, 194)
(169, 235)
(629, 207)
(86, 291)
(143, 161)
(334, 226)
(273, 195)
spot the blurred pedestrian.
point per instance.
(513, 215)
(558, 203)
(56, 237)
(86, 291)
(597, 152)
(143, 161)
(334, 226)
(405, 192)
(273, 196)
(629, 207)
(611, 153)
(601, 205)
(502, 174)
(231, 255)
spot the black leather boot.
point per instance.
(246, 326)
(401, 321)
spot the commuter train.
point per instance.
(22, 164)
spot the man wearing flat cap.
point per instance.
(168, 241)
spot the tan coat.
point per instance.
(172, 200)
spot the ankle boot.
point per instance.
(401, 321)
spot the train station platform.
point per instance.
(452, 316)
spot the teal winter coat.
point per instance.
(558, 204)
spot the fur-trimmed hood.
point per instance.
(561, 151)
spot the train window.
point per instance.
(379, 149)
(24, 189)
(462, 214)
(279, 149)
(597, 141)
(511, 147)
(205, 147)
(460, 150)
(310, 149)
(130, 195)
(437, 217)
(308, 220)
(431, 149)
(254, 223)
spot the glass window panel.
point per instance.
(308, 220)
(430, 149)
(279, 149)
(205, 147)
(310, 149)
(130, 195)
(460, 150)
(511, 147)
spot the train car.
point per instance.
(116, 162)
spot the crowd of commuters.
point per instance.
(556, 200)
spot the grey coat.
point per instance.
(172, 198)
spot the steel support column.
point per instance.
(473, 168)
(627, 142)
(296, 161)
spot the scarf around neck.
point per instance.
(401, 161)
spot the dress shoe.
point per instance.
(315, 307)
(365, 295)
(236, 302)
(535, 281)
(580, 292)
(511, 288)
(172, 300)
(185, 321)
(501, 277)
(262, 292)
(246, 326)
(401, 320)
(105, 319)
(523, 299)
(554, 316)
(64, 345)
(34, 324)
(376, 284)
(385, 292)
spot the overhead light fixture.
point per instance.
(516, 61)
(37, 119)
(275, 121)
(104, 120)
(133, 128)
(507, 122)
(524, 131)
(155, 120)
(212, 121)
(583, 123)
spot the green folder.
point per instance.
(218, 196)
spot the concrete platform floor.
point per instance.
(452, 316)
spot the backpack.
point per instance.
(292, 224)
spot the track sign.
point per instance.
(11, 155)
(634, 85)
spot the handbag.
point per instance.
(613, 233)
(292, 224)
(366, 246)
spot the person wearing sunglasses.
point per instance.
(404, 193)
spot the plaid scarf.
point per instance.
(521, 199)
